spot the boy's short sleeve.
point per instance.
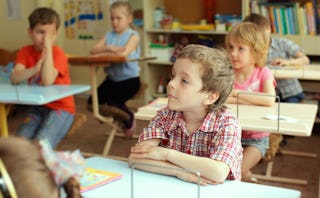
(21, 57)
(155, 128)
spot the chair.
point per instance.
(118, 115)
(274, 149)
(78, 121)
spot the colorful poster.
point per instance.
(84, 19)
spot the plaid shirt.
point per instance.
(218, 138)
(285, 49)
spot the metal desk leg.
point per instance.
(3, 121)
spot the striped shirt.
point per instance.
(218, 138)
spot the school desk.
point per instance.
(306, 72)
(146, 185)
(96, 62)
(32, 95)
(296, 119)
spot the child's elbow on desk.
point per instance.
(221, 172)
(270, 103)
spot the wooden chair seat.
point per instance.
(118, 116)
(78, 121)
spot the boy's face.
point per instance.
(41, 32)
(120, 20)
(184, 87)
(240, 55)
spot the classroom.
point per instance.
(107, 132)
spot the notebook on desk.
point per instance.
(148, 111)
(94, 178)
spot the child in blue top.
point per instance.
(122, 81)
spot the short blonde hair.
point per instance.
(216, 74)
(250, 34)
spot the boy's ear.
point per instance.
(211, 98)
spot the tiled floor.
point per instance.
(91, 138)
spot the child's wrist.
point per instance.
(167, 157)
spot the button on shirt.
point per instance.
(285, 49)
(218, 138)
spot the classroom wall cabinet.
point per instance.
(295, 19)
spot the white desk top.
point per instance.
(148, 185)
(37, 95)
(252, 117)
(307, 72)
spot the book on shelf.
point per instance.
(283, 20)
(303, 26)
(272, 19)
(311, 18)
(316, 7)
(93, 178)
(290, 17)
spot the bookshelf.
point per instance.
(193, 11)
(295, 19)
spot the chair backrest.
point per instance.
(274, 144)
(7, 56)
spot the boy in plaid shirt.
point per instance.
(195, 132)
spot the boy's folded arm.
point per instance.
(301, 58)
(213, 170)
(20, 73)
(155, 166)
(48, 71)
(147, 151)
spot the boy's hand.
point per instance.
(279, 62)
(50, 36)
(41, 60)
(149, 152)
